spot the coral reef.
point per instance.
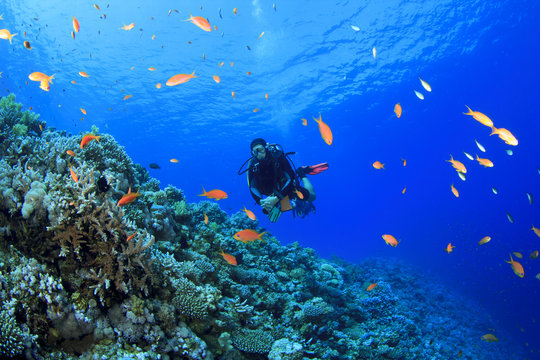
(81, 277)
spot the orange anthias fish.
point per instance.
(70, 153)
(131, 236)
(404, 161)
(449, 248)
(536, 230)
(489, 338)
(249, 213)
(378, 165)
(371, 287)
(457, 165)
(390, 240)
(304, 121)
(216, 78)
(516, 267)
(83, 74)
(128, 198)
(299, 194)
(454, 191)
(233, 93)
(128, 27)
(215, 194)
(505, 135)
(6, 35)
(248, 235)
(180, 79)
(228, 258)
(73, 174)
(174, 161)
(397, 110)
(200, 22)
(484, 240)
(326, 133)
(205, 219)
(477, 115)
(39, 76)
(127, 97)
(83, 111)
(484, 162)
(87, 138)
(76, 25)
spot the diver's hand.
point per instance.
(269, 202)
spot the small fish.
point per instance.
(460, 352)
(153, 37)
(216, 78)
(378, 165)
(516, 267)
(536, 231)
(484, 162)
(96, 6)
(325, 131)
(180, 79)
(504, 135)
(274, 6)
(431, 342)
(152, 68)
(232, 64)
(449, 248)
(457, 165)
(249, 73)
(510, 218)
(266, 97)
(248, 235)
(76, 25)
(154, 166)
(235, 11)
(83, 74)
(469, 156)
(249, 213)
(355, 28)
(131, 236)
(454, 191)
(221, 63)
(6, 35)
(299, 194)
(518, 255)
(83, 111)
(203, 57)
(462, 176)
(229, 258)
(484, 240)
(174, 161)
(256, 110)
(529, 196)
(494, 190)
(478, 116)
(233, 94)
(128, 198)
(390, 240)
(482, 149)
(534, 255)
(509, 152)
(205, 219)
(158, 85)
(404, 161)
(73, 35)
(200, 22)
(425, 84)
(260, 36)
(397, 110)
(419, 95)
(39, 76)
(128, 27)
(87, 138)
(127, 97)
(371, 287)
(215, 194)
(70, 152)
(403, 191)
(374, 51)
(73, 174)
(221, 17)
(27, 45)
(304, 121)
(538, 276)
(489, 338)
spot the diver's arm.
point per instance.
(255, 193)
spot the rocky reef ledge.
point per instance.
(83, 278)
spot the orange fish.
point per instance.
(457, 165)
(83, 111)
(404, 161)
(256, 110)
(371, 287)
(454, 190)
(304, 121)
(73, 82)
(180, 79)
(158, 85)
(128, 27)
(131, 236)
(127, 97)
(484, 240)
(477, 115)
(70, 153)
(87, 138)
(6, 35)
(516, 267)
(152, 68)
(228, 258)
(449, 248)
(260, 36)
(44, 85)
(397, 110)
(484, 162)
(299, 194)
(232, 64)
(39, 76)
(536, 230)
(83, 74)
(216, 78)
(534, 254)
(153, 37)
(505, 135)
(27, 45)
(390, 240)
(248, 235)
(128, 198)
(266, 96)
(205, 219)
(76, 26)
(96, 6)
(233, 94)
(378, 165)
(200, 22)
(173, 160)
(324, 129)
(403, 191)
(73, 174)
(235, 11)
(215, 194)
(221, 63)
(249, 213)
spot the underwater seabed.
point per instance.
(72, 286)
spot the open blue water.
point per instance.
(310, 61)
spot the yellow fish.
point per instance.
(477, 115)
(484, 240)
(425, 84)
(325, 131)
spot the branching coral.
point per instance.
(11, 337)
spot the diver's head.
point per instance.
(258, 148)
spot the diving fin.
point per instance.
(274, 214)
(311, 170)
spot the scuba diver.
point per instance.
(275, 184)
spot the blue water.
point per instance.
(311, 61)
